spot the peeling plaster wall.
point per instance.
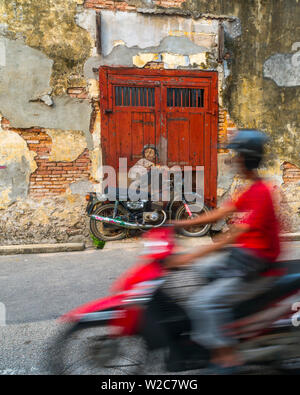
(145, 31)
(49, 93)
(132, 39)
(50, 26)
(24, 79)
(46, 136)
(66, 146)
(19, 162)
(261, 92)
(262, 89)
(283, 69)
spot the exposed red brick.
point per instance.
(78, 92)
(291, 173)
(51, 178)
(124, 6)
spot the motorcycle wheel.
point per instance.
(288, 360)
(289, 366)
(89, 350)
(107, 232)
(195, 230)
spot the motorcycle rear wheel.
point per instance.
(289, 366)
(195, 230)
(107, 232)
(90, 350)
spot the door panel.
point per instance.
(142, 133)
(178, 131)
(197, 135)
(132, 120)
(129, 132)
(149, 129)
(185, 135)
(176, 110)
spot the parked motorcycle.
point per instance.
(113, 220)
(121, 331)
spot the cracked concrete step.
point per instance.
(40, 248)
(290, 236)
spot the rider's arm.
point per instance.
(210, 217)
(220, 242)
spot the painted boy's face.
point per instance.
(150, 154)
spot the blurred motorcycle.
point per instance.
(120, 332)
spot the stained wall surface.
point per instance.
(50, 124)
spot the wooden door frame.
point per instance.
(211, 77)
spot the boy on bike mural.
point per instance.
(140, 173)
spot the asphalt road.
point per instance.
(44, 286)
(36, 289)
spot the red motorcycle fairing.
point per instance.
(143, 271)
(109, 302)
(129, 317)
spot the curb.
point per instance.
(290, 236)
(41, 248)
(69, 247)
(184, 242)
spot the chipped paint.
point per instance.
(198, 59)
(207, 40)
(172, 61)
(66, 146)
(93, 89)
(49, 25)
(283, 69)
(118, 42)
(13, 149)
(96, 153)
(96, 170)
(142, 59)
(19, 162)
(5, 198)
(25, 79)
(143, 31)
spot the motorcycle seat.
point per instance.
(283, 286)
(120, 193)
(117, 192)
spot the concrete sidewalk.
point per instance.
(130, 243)
(133, 242)
(40, 248)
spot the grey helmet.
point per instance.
(249, 143)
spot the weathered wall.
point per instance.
(263, 88)
(46, 119)
(50, 134)
(259, 73)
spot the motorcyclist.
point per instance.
(255, 246)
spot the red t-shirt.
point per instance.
(258, 211)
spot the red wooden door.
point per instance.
(175, 110)
(132, 118)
